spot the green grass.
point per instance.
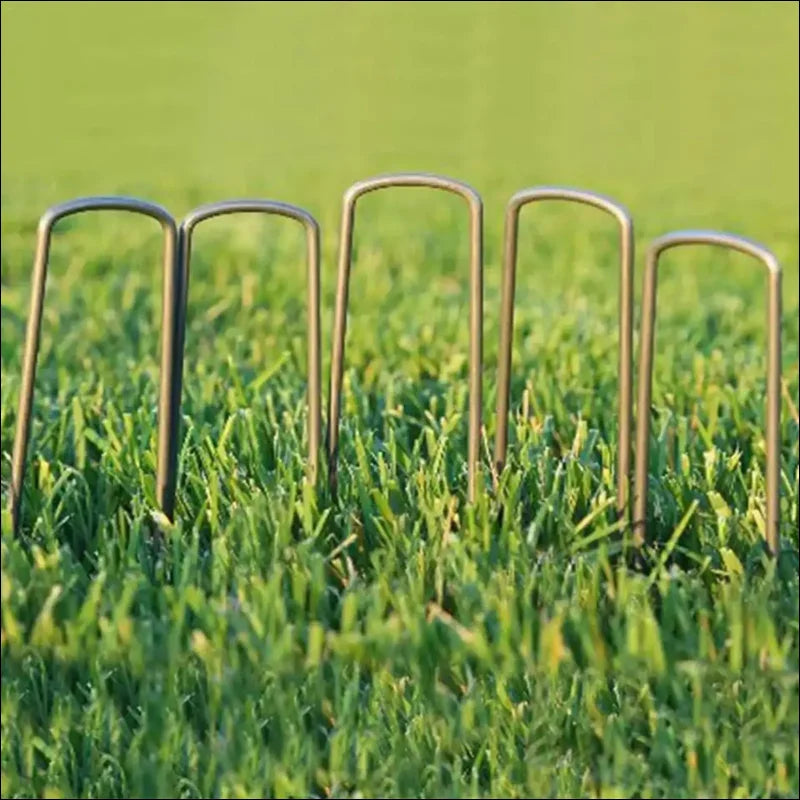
(398, 642)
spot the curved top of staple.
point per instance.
(423, 179)
(716, 239)
(601, 201)
(245, 206)
(105, 203)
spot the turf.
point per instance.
(397, 641)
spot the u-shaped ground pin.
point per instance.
(274, 208)
(742, 245)
(475, 307)
(515, 204)
(165, 478)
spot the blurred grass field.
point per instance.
(397, 642)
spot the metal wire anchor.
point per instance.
(742, 245)
(475, 314)
(275, 208)
(165, 477)
(515, 204)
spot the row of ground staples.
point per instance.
(177, 259)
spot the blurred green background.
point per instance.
(688, 112)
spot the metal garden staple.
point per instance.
(165, 477)
(515, 204)
(475, 315)
(271, 207)
(727, 240)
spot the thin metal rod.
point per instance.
(742, 245)
(625, 393)
(165, 478)
(475, 310)
(275, 208)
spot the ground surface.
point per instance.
(397, 642)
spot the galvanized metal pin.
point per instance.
(271, 207)
(515, 204)
(165, 477)
(742, 245)
(475, 316)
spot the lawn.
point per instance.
(396, 640)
